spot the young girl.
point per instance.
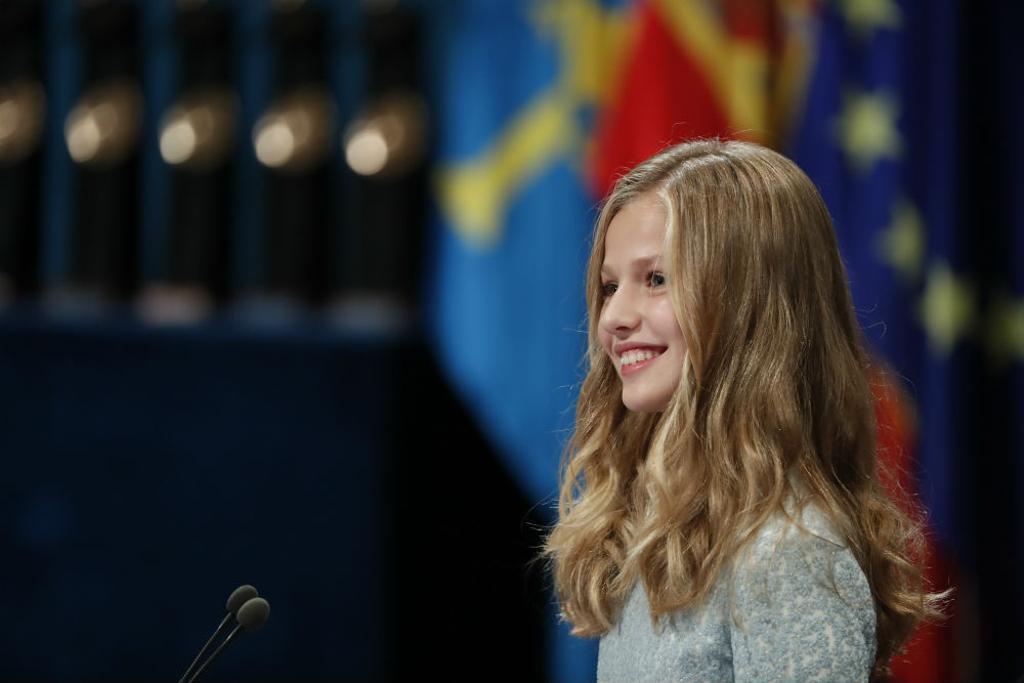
(721, 517)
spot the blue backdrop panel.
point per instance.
(149, 473)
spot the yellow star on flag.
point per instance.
(901, 244)
(947, 308)
(865, 16)
(866, 128)
(1006, 330)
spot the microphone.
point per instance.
(238, 597)
(251, 617)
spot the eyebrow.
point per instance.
(643, 261)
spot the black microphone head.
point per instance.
(239, 597)
(253, 614)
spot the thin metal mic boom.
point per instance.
(251, 617)
(238, 597)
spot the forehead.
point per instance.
(636, 232)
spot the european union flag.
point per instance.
(890, 132)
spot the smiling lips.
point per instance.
(634, 360)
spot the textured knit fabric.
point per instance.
(795, 606)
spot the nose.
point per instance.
(620, 314)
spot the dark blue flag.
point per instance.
(890, 133)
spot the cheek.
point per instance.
(605, 340)
(664, 319)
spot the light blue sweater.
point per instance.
(801, 611)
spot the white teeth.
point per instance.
(632, 357)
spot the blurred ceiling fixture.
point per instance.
(103, 127)
(198, 132)
(22, 111)
(165, 304)
(389, 139)
(294, 135)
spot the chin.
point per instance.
(644, 404)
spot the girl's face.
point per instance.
(638, 328)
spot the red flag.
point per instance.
(929, 654)
(696, 69)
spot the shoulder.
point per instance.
(809, 537)
(800, 605)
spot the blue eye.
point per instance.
(656, 279)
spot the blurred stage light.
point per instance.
(167, 304)
(390, 139)
(22, 112)
(295, 133)
(198, 131)
(366, 150)
(275, 142)
(178, 140)
(103, 127)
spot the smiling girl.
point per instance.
(720, 516)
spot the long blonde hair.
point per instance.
(774, 388)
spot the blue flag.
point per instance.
(507, 314)
(521, 82)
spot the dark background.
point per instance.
(157, 470)
(309, 435)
